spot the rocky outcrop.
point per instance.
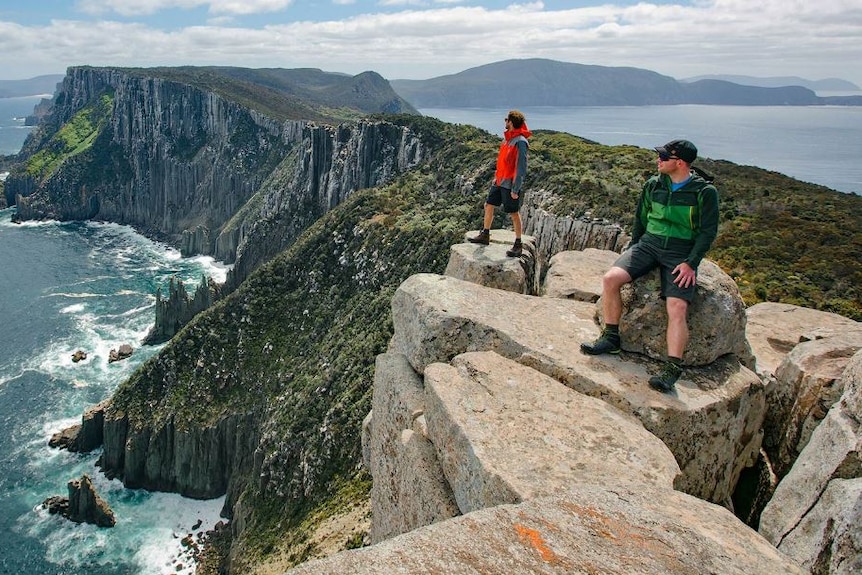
(816, 511)
(83, 504)
(712, 425)
(179, 309)
(125, 351)
(544, 478)
(520, 275)
(86, 436)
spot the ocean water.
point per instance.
(13, 112)
(818, 144)
(65, 287)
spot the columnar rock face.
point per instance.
(321, 170)
(205, 173)
(556, 234)
(198, 462)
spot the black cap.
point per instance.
(682, 149)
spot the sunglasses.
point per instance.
(664, 156)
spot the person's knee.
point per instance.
(677, 308)
(615, 278)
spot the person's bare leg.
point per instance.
(677, 326)
(612, 303)
(516, 224)
(612, 309)
(489, 216)
(677, 338)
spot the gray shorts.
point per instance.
(498, 196)
(649, 254)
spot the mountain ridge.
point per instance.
(544, 82)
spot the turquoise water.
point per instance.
(65, 287)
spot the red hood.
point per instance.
(514, 132)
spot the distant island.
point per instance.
(36, 86)
(542, 82)
(825, 85)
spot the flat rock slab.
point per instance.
(490, 266)
(711, 424)
(578, 274)
(773, 329)
(505, 433)
(587, 530)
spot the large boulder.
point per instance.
(716, 318)
(586, 528)
(816, 511)
(712, 424)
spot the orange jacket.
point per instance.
(512, 159)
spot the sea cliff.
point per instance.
(262, 395)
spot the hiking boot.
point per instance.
(606, 343)
(664, 381)
(483, 238)
(516, 250)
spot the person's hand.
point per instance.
(685, 275)
(514, 195)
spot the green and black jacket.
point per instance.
(686, 217)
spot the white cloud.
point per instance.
(777, 37)
(147, 7)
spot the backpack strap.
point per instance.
(705, 175)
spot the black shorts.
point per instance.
(648, 254)
(498, 195)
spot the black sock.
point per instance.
(677, 361)
(612, 328)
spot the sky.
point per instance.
(420, 39)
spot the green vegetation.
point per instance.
(73, 138)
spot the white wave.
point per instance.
(216, 270)
(79, 295)
(75, 308)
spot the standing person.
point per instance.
(675, 223)
(506, 189)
